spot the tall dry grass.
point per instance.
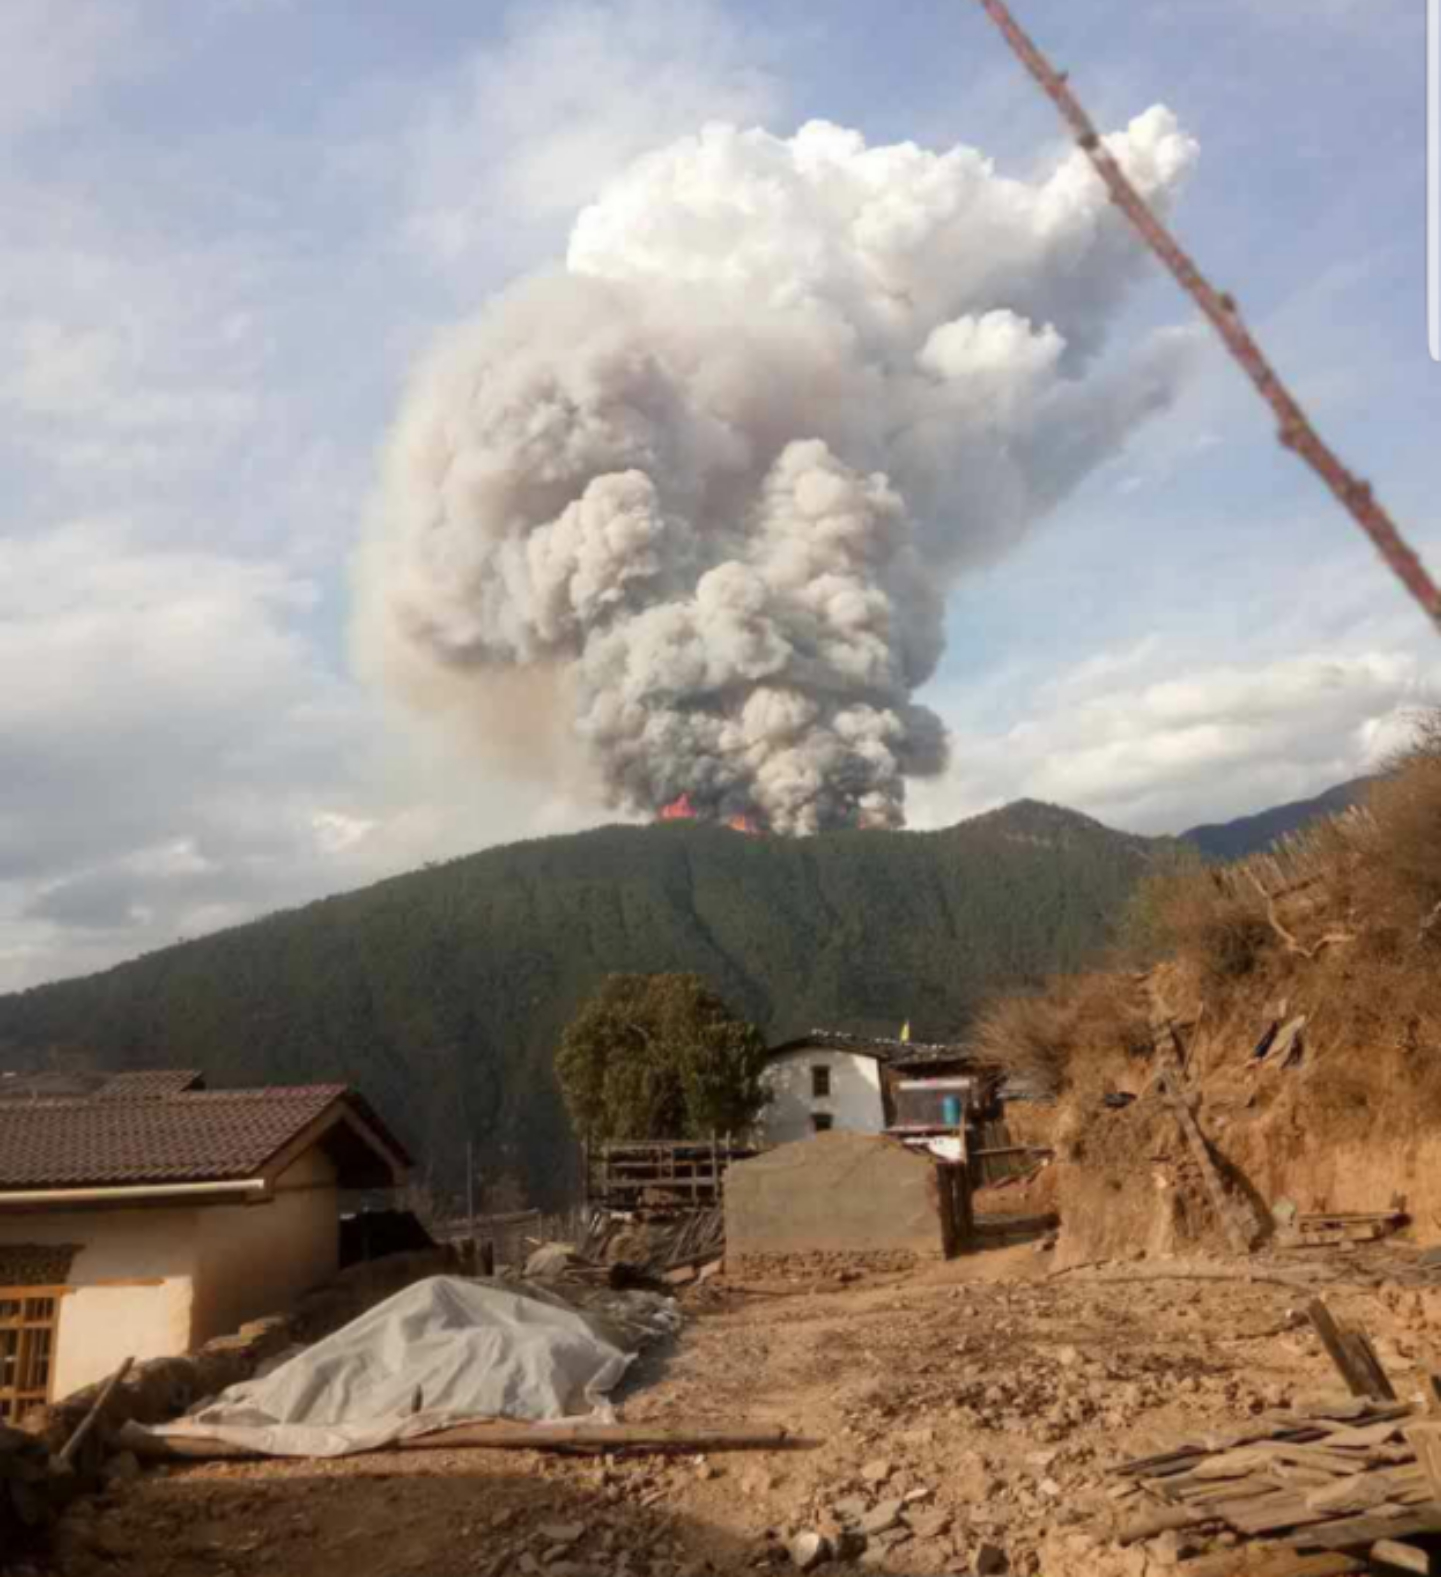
(1042, 1038)
(1363, 887)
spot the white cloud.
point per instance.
(529, 129)
(177, 756)
(1154, 740)
(55, 53)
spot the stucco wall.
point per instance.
(101, 1326)
(192, 1273)
(855, 1103)
(257, 1259)
(835, 1193)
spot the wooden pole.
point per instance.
(653, 1439)
(70, 1450)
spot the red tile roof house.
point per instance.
(141, 1214)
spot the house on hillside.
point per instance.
(142, 1214)
(827, 1079)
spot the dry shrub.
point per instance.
(1043, 1039)
(1191, 909)
(1402, 878)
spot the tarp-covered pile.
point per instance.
(443, 1352)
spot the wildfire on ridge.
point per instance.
(679, 809)
(682, 808)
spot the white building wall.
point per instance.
(149, 1258)
(855, 1103)
(258, 1259)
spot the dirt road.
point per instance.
(962, 1415)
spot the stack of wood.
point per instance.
(697, 1239)
(1355, 1476)
(677, 1243)
(1332, 1476)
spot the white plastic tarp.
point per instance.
(445, 1351)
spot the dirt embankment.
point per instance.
(1346, 1117)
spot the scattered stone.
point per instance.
(929, 1524)
(562, 1532)
(991, 1561)
(883, 1516)
(913, 1497)
(877, 1472)
(850, 1509)
(1050, 1489)
(808, 1550)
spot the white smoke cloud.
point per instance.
(714, 477)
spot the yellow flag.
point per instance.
(906, 1030)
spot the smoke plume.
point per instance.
(714, 477)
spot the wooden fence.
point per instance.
(661, 1175)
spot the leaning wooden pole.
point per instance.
(1294, 431)
(71, 1449)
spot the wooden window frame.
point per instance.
(820, 1081)
(29, 1348)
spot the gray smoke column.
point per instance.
(712, 480)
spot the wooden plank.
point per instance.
(1370, 1365)
(1362, 1532)
(1157, 1519)
(1272, 1562)
(1395, 1556)
(1348, 1361)
(1425, 1441)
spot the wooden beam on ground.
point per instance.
(1254, 1562)
(579, 1437)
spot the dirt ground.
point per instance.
(963, 1414)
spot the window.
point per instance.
(822, 1122)
(820, 1081)
(27, 1346)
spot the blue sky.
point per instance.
(231, 226)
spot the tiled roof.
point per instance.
(193, 1137)
(92, 1084)
(884, 1048)
(148, 1084)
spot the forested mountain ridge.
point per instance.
(1231, 840)
(442, 993)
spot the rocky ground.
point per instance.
(960, 1418)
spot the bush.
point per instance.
(1078, 1023)
(1191, 908)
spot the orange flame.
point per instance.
(679, 809)
(743, 823)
